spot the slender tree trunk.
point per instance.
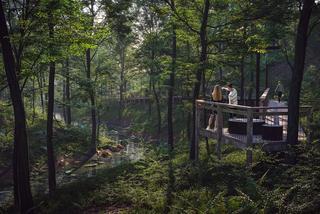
(267, 73)
(50, 150)
(202, 64)
(122, 58)
(257, 78)
(242, 78)
(98, 124)
(92, 100)
(148, 94)
(171, 88)
(40, 84)
(156, 96)
(188, 95)
(33, 100)
(251, 78)
(21, 175)
(67, 90)
(64, 101)
(297, 74)
(220, 68)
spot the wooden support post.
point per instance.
(198, 126)
(309, 131)
(249, 136)
(219, 131)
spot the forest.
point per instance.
(160, 106)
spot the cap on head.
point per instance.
(229, 84)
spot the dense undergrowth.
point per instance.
(272, 185)
(276, 183)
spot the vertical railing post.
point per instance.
(197, 127)
(249, 136)
(219, 131)
(309, 131)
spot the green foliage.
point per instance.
(207, 187)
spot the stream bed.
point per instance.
(132, 151)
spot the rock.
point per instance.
(119, 146)
(68, 171)
(104, 153)
(113, 132)
(91, 165)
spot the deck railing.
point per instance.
(248, 116)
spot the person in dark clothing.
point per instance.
(279, 91)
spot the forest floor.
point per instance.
(282, 183)
(276, 183)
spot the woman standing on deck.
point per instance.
(216, 97)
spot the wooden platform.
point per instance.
(237, 140)
(272, 115)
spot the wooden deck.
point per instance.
(238, 140)
(276, 115)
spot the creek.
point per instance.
(131, 152)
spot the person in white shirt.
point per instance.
(233, 94)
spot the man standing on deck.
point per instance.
(279, 91)
(233, 94)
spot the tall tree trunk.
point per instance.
(92, 100)
(149, 97)
(188, 95)
(50, 150)
(171, 88)
(98, 124)
(242, 78)
(122, 58)
(202, 64)
(40, 84)
(156, 96)
(257, 78)
(67, 90)
(297, 73)
(33, 100)
(267, 73)
(64, 109)
(251, 78)
(21, 175)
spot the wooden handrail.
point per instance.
(243, 107)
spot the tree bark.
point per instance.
(92, 100)
(297, 73)
(149, 96)
(257, 78)
(242, 78)
(156, 96)
(33, 100)
(50, 150)
(64, 109)
(250, 92)
(67, 91)
(40, 84)
(267, 73)
(171, 88)
(202, 64)
(21, 175)
(122, 58)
